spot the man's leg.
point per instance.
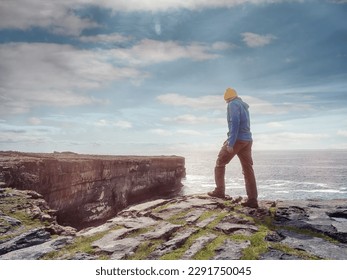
(245, 156)
(224, 157)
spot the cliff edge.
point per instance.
(89, 189)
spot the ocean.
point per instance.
(283, 175)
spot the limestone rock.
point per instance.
(193, 216)
(109, 242)
(327, 217)
(163, 230)
(314, 245)
(172, 244)
(124, 247)
(7, 223)
(35, 252)
(232, 228)
(232, 224)
(231, 250)
(27, 239)
(274, 254)
(82, 256)
(207, 221)
(198, 245)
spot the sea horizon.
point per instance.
(281, 174)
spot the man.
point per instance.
(239, 143)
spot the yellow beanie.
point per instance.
(230, 93)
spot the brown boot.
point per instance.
(217, 193)
(252, 203)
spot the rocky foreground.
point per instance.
(187, 227)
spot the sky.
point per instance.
(148, 77)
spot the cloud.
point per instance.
(51, 74)
(193, 120)
(342, 133)
(62, 16)
(120, 123)
(202, 102)
(34, 121)
(263, 107)
(253, 40)
(151, 51)
(339, 1)
(289, 140)
(189, 132)
(105, 38)
(164, 5)
(7, 137)
(186, 119)
(214, 102)
(58, 16)
(274, 125)
(222, 46)
(123, 124)
(102, 123)
(34, 74)
(165, 133)
(161, 132)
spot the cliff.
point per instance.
(89, 189)
(184, 227)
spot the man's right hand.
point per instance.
(230, 149)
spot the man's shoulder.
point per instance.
(234, 103)
(238, 103)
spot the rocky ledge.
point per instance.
(89, 189)
(185, 227)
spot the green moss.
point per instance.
(161, 208)
(144, 250)
(80, 244)
(272, 211)
(11, 206)
(210, 250)
(258, 246)
(229, 204)
(216, 221)
(26, 219)
(207, 214)
(178, 253)
(219, 216)
(239, 237)
(178, 219)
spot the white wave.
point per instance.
(321, 191)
